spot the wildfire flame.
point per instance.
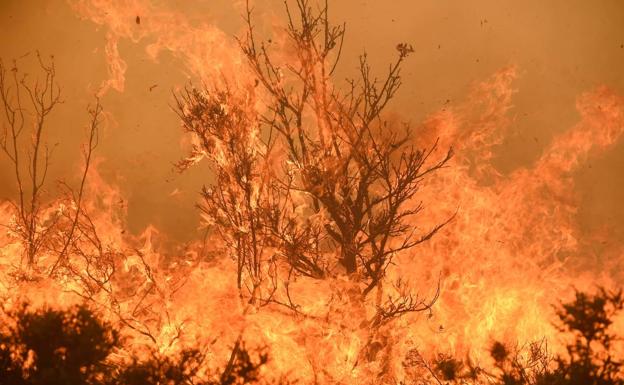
(513, 249)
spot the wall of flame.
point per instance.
(529, 94)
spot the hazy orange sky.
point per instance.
(560, 47)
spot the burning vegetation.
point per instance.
(342, 246)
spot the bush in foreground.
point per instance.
(589, 359)
(73, 347)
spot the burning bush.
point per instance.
(584, 322)
(48, 346)
(75, 347)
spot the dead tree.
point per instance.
(78, 225)
(228, 136)
(342, 198)
(27, 105)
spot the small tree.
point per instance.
(590, 359)
(27, 105)
(42, 97)
(315, 179)
(73, 346)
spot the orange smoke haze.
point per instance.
(561, 49)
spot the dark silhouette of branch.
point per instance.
(28, 102)
(316, 177)
(95, 114)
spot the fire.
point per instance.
(515, 245)
(511, 251)
(206, 51)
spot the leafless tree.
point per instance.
(343, 193)
(27, 106)
(73, 216)
(27, 103)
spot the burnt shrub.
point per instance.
(162, 369)
(185, 367)
(589, 359)
(48, 346)
(73, 346)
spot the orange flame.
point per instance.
(512, 250)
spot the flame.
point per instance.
(206, 52)
(515, 245)
(513, 249)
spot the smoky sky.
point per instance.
(561, 48)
